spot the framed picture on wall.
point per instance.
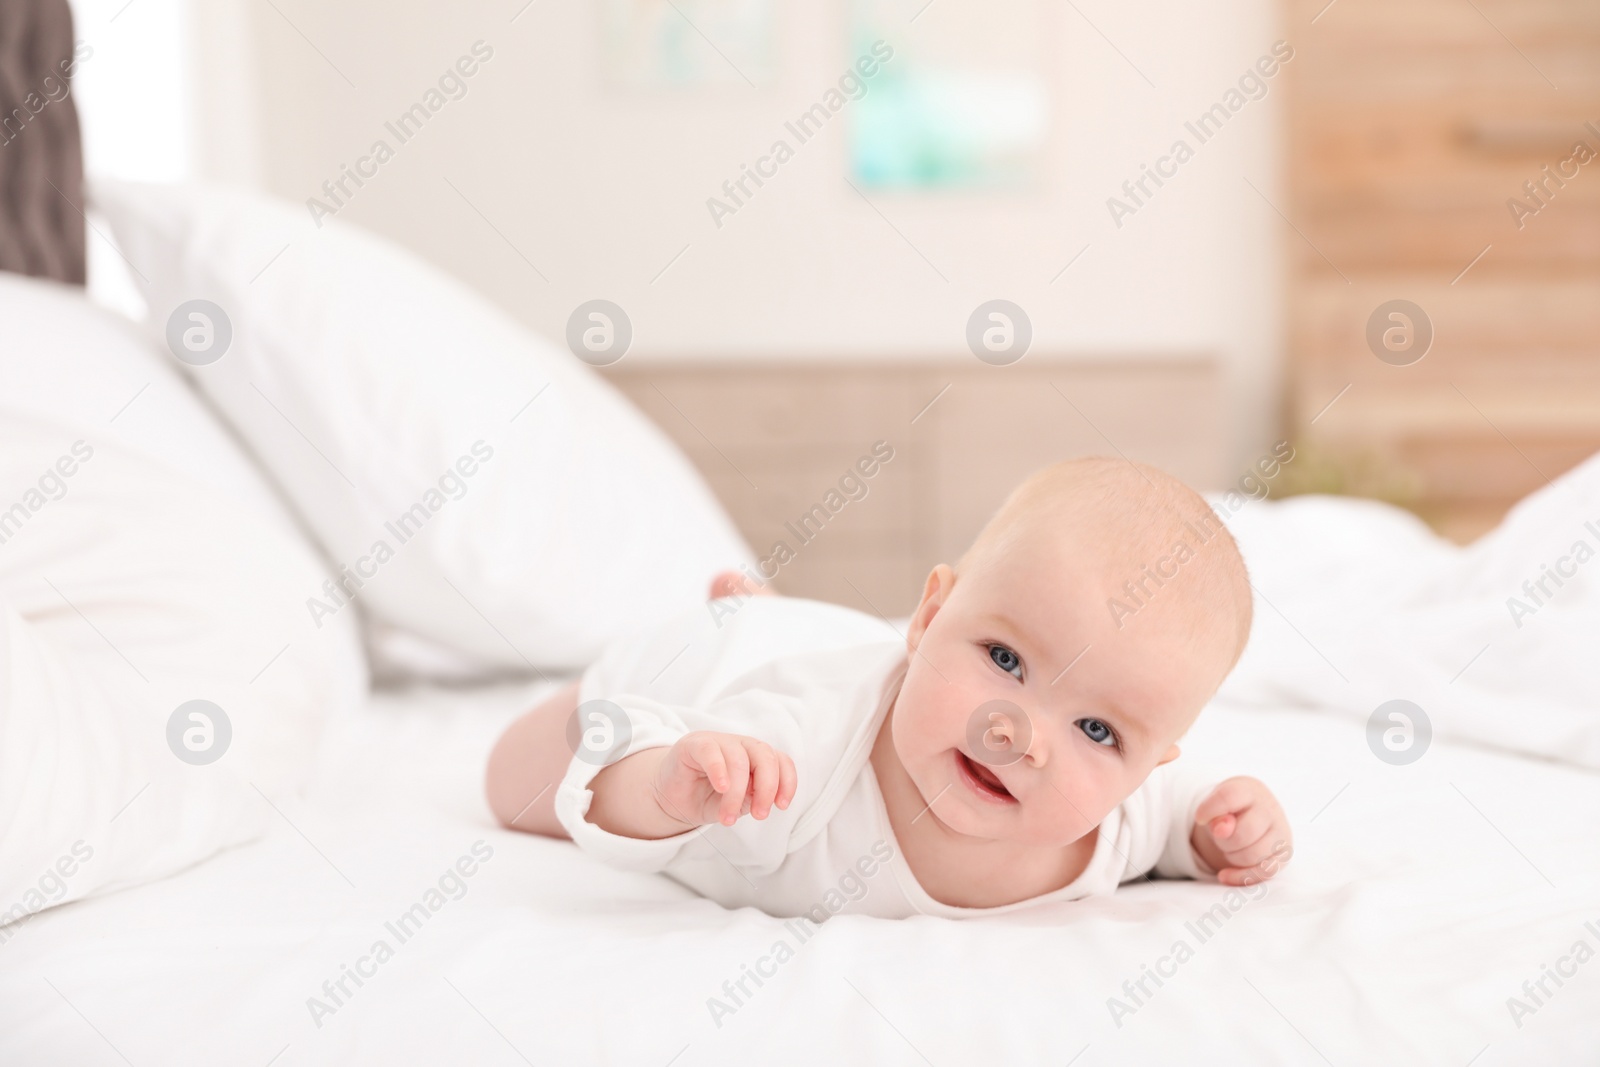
(963, 104)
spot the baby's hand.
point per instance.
(710, 777)
(1241, 832)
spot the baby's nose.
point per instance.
(1001, 733)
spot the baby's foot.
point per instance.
(735, 583)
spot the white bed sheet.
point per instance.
(1421, 898)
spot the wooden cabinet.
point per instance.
(774, 439)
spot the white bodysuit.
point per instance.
(814, 680)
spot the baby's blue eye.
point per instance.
(1098, 732)
(1006, 660)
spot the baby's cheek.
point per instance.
(921, 725)
(1067, 810)
(1087, 799)
(941, 713)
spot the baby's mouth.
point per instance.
(982, 780)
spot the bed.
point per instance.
(1397, 935)
(359, 904)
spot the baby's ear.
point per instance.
(1171, 754)
(941, 580)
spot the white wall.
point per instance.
(599, 190)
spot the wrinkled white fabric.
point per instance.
(1358, 603)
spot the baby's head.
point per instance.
(1059, 662)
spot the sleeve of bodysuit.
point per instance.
(1158, 819)
(685, 666)
(621, 725)
(1184, 788)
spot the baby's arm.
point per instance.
(659, 792)
(705, 777)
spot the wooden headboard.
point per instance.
(41, 155)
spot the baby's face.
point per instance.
(1026, 714)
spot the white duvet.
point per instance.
(1445, 911)
(1499, 642)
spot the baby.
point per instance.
(1015, 746)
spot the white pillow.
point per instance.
(144, 564)
(546, 514)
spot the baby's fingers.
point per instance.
(1222, 828)
(705, 753)
(788, 780)
(738, 783)
(1230, 797)
(764, 778)
(1241, 876)
(1255, 864)
(1235, 833)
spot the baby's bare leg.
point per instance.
(527, 764)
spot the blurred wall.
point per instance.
(544, 188)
